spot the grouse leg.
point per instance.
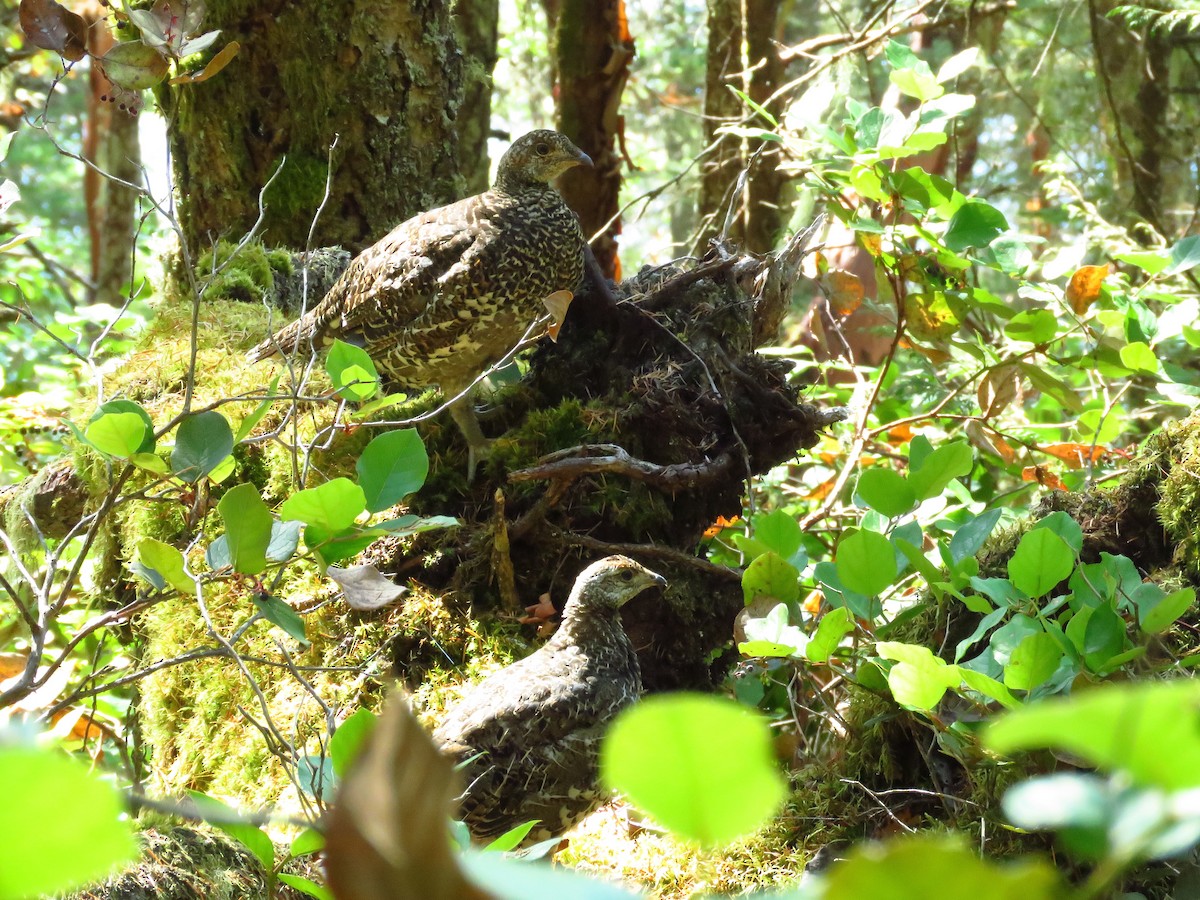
(462, 411)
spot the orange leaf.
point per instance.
(812, 603)
(899, 434)
(989, 441)
(215, 65)
(1043, 476)
(844, 291)
(720, 525)
(1076, 455)
(872, 243)
(821, 491)
(1084, 287)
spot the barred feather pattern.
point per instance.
(527, 738)
(449, 292)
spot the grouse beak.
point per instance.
(582, 159)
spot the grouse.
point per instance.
(527, 738)
(451, 291)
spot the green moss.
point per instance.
(246, 274)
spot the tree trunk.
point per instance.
(475, 25)
(111, 144)
(593, 49)
(384, 80)
(741, 54)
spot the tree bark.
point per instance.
(476, 24)
(383, 79)
(741, 53)
(593, 49)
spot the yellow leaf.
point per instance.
(844, 291)
(215, 65)
(1084, 287)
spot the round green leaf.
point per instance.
(128, 406)
(975, 224)
(1034, 326)
(1040, 562)
(1164, 612)
(391, 467)
(248, 525)
(332, 506)
(349, 738)
(930, 477)
(60, 824)
(118, 434)
(1138, 357)
(352, 371)
(866, 562)
(770, 576)
(1033, 662)
(665, 753)
(201, 444)
(886, 491)
(167, 561)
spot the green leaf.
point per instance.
(1149, 261)
(1185, 255)
(201, 444)
(1033, 662)
(1103, 638)
(975, 224)
(918, 679)
(917, 867)
(886, 491)
(227, 819)
(663, 751)
(306, 842)
(835, 625)
(1065, 527)
(391, 467)
(333, 506)
(780, 532)
(1147, 729)
(279, 613)
(1042, 560)
(117, 434)
(1061, 800)
(940, 467)
(168, 562)
(771, 576)
(60, 824)
(248, 526)
(352, 372)
(988, 686)
(957, 64)
(866, 562)
(512, 838)
(349, 738)
(917, 82)
(305, 886)
(969, 537)
(1034, 326)
(901, 56)
(128, 406)
(1162, 615)
(1138, 357)
(285, 536)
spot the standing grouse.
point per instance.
(528, 737)
(451, 291)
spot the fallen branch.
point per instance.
(575, 462)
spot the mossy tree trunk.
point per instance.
(385, 80)
(476, 24)
(742, 53)
(592, 51)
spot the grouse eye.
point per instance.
(627, 575)
(542, 149)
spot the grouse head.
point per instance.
(607, 585)
(537, 159)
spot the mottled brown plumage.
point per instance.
(528, 737)
(451, 291)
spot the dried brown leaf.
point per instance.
(386, 836)
(52, 26)
(999, 387)
(215, 65)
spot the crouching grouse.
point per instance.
(527, 738)
(451, 291)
